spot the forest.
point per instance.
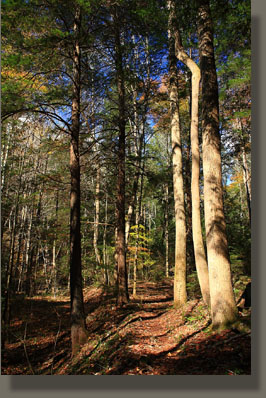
(126, 187)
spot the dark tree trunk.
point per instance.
(78, 330)
(6, 314)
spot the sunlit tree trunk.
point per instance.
(105, 254)
(223, 306)
(54, 270)
(135, 263)
(247, 181)
(19, 263)
(245, 168)
(166, 230)
(97, 216)
(4, 157)
(199, 251)
(122, 287)
(138, 132)
(28, 250)
(180, 294)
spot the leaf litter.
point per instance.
(149, 336)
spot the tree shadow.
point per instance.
(219, 354)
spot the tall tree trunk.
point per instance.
(6, 314)
(9, 291)
(188, 195)
(180, 294)
(131, 205)
(78, 329)
(54, 270)
(223, 306)
(97, 216)
(199, 251)
(20, 239)
(138, 142)
(166, 230)
(122, 286)
(135, 263)
(28, 250)
(168, 162)
(4, 157)
(135, 186)
(245, 168)
(105, 254)
(188, 205)
(247, 180)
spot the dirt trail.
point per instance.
(146, 337)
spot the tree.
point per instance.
(200, 257)
(223, 306)
(180, 295)
(122, 293)
(78, 328)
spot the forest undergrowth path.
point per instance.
(147, 337)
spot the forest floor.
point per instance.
(147, 337)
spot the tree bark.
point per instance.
(199, 251)
(4, 157)
(180, 294)
(138, 142)
(135, 263)
(188, 205)
(223, 306)
(97, 217)
(20, 246)
(245, 168)
(122, 283)
(8, 293)
(166, 230)
(246, 178)
(54, 270)
(105, 255)
(6, 315)
(28, 250)
(77, 319)
(246, 172)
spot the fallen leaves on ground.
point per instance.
(147, 337)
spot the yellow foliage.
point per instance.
(26, 79)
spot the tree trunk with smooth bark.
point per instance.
(122, 282)
(199, 251)
(223, 306)
(247, 181)
(97, 216)
(180, 294)
(166, 230)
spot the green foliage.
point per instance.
(238, 228)
(193, 288)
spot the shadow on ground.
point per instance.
(147, 337)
